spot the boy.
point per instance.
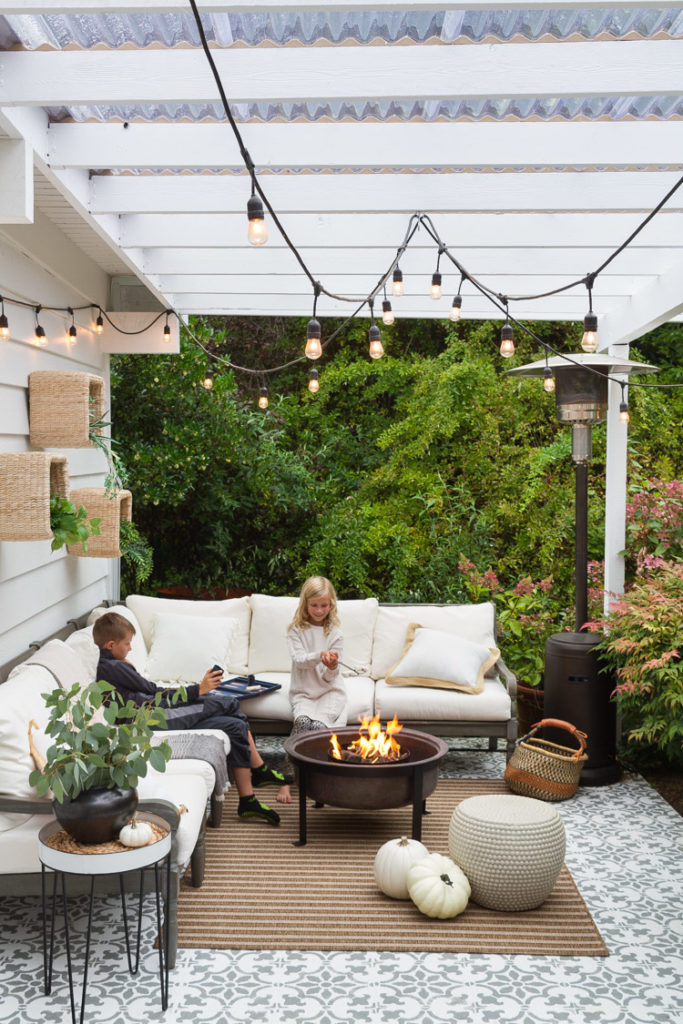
(201, 709)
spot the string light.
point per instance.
(207, 383)
(263, 398)
(313, 382)
(387, 312)
(589, 342)
(623, 406)
(314, 348)
(257, 232)
(72, 330)
(397, 286)
(507, 343)
(548, 379)
(457, 302)
(435, 290)
(167, 330)
(376, 349)
(4, 323)
(99, 323)
(40, 333)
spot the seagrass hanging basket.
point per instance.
(545, 770)
(62, 406)
(27, 479)
(111, 510)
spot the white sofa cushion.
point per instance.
(145, 608)
(422, 704)
(184, 648)
(360, 692)
(475, 622)
(84, 644)
(270, 620)
(442, 660)
(20, 701)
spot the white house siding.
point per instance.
(40, 590)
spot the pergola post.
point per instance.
(615, 488)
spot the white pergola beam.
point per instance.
(655, 303)
(367, 145)
(16, 182)
(37, 7)
(351, 73)
(367, 193)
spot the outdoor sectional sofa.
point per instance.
(178, 640)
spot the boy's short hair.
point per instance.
(111, 626)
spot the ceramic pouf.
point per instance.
(510, 847)
(96, 815)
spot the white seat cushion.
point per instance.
(418, 703)
(359, 690)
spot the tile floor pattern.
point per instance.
(623, 849)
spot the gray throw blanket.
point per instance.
(203, 748)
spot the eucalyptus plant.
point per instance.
(98, 741)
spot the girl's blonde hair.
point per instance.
(316, 586)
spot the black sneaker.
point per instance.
(265, 776)
(250, 807)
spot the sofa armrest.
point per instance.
(24, 805)
(508, 677)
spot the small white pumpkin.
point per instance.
(136, 833)
(438, 887)
(392, 863)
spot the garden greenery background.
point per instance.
(427, 475)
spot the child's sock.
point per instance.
(250, 807)
(265, 776)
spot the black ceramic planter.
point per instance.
(96, 815)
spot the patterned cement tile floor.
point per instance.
(623, 849)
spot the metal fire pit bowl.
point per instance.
(365, 786)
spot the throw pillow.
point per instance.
(185, 647)
(442, 660)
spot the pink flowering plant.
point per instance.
(654, 525)
(643, 645)
(526, 614)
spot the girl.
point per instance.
(316, 693)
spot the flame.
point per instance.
(375, 744)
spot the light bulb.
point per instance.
(507, 344)
(623, 412)
(314, 349)
(589, 342)
(208, 379)
(313, 382)
(257, 232)
(73, 333)
(397, 286)
(4, 324)
(435, 290)
(376, 349)
(455, 308)
(387, 313)
(99, 324)
(40, 337)
(263, 399)
(167, 330)
(548, 380)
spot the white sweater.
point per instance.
(315, 690)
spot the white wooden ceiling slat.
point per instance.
(42, 7)
(333, 74)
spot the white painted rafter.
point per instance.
(352, 73)
(141, 145)
(38, 7)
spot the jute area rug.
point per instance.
(262, 892)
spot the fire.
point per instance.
(375, 745)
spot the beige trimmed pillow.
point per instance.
(442, 660)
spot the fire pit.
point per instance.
(362, 785)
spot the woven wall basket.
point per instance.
(111, 511)
(61, 407)
(27, 479)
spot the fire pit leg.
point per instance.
(418, 804)
(302, 807)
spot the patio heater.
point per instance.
(576, 688)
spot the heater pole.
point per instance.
(581, 545)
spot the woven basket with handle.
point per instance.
(545, 770)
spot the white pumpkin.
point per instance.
(136, 833)
(438, 887)
(392, 863)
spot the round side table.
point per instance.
(95, 865)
